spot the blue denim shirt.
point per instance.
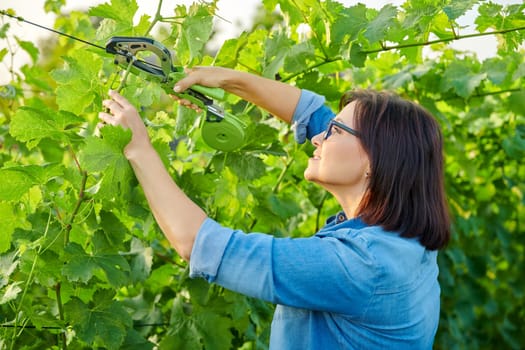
(350, 286)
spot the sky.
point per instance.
(233, 17)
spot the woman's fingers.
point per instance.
(112, 106)
(107, 118)
(187, 81)
(119, 111)
(186, 103)
(121, 100)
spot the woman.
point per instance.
(368, 278)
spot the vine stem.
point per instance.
(312, 67)
(156, 18)
(61, 313)
(11, 59)
(453, 29)
(122, 83)
(26, 287)
(280, 179)
(81, 197)
(74, 157)
(483, 94)
(313, 31)
(445, 40)
(69, 226)
(404, 46)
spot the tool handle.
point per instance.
(211, 92)
(214, 93)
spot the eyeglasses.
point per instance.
(339, 125)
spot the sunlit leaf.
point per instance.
(105, 155)
(104, 321)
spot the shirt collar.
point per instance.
(341, 219)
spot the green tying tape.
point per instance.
(226, 135)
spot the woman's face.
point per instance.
(339, 163)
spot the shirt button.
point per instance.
(341, 217)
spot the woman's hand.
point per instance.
(121, 112)
(278, 98)
(204, 76)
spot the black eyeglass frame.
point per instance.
(348, 129)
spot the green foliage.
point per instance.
(82, 261)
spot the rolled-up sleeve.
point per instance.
(311, 116)
(294, 272)
(208, 249)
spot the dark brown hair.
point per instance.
(406, 188)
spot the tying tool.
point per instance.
(220, 130)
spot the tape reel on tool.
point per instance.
(224, 135)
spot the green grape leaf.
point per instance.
(357, 57)
(135, 341)
(82, 266)
(185, 121)
(141, 262)
(457, 8)
(214, 329)
(3, 52)
(283, 206)
(114, 230)
(105, 155)
(3, 31)
(30, 48)
(42, 173)
(185, 336)
(8, 265)
(48, 266)
(515, 146)
(17, 180)
(496, 70)
(278, 47)
(194, 34)
(143, 25)
(520, 72)
(245, 166)
(54, 5)
(229, 51)
(377, 28)
(515, 102)
(11, 292)
(79, 81)
(14, 184)
(489, 16)
(37, 77)
(103, 323)
(204, 326)
(31, 125)
(298, 57)
(10, 221)
(461, 79)
(258, 135)
(349, 24)
(121, 11)
(140, 92)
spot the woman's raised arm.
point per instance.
(278, 98)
